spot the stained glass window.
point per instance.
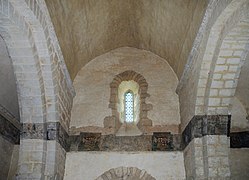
(129, 106)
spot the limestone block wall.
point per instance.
(92, 86)
(91, 165)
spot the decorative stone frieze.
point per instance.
(98, 142)
(165, 141)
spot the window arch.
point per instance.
(117, 97)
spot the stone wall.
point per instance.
(92, 86)
(187, 87)
(91, 165)
(8, 91)
(6, 149)
(239, 163)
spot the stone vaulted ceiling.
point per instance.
(89, 28)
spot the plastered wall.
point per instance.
(92, 86)
(86, 29)
(90, 165)
(239, 163)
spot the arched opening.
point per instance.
(123, 84)
(125, 173)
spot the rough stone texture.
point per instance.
(126, 173)
(6, 149)
(239, 139)
(239, 164)
(95, 27)
(90, 165)
(46, 131)
(93, 90)
(201, 126)
(9, 131)
(8, 91)
(96, 142)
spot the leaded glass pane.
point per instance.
(129, 106)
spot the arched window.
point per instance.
(129, 106)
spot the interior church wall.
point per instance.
(167, 28)
(239, 115)
(239, 163)
(6, 149)
(158, 164)
(8, 90)
(187, 88)
(92, 86)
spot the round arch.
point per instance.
(40, 74)
(142, 91)
(222, 60)
(125, 173)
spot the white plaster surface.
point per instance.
(90, 165)
(92, 86)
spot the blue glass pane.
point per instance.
(129, 107)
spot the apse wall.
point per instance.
(92, 86)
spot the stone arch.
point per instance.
(38, 66)
(144, 108)
(213, 86)
(125, 173)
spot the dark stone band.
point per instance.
(239, 139)
(46, 131)
(202, 125)
(8, 131)
(199, 126)
(98, 142)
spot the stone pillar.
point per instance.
(42, 153)
(206, 147)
